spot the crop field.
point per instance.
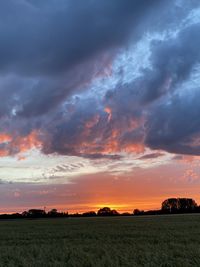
(172, 240)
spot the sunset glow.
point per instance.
(99, 104)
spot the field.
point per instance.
(103, 242)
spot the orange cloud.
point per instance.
(26, 143)
(18, 144)
(90, 124)
(109, 112)
(94, 140)
(4, 153)
(5, 138)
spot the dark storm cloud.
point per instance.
(52, 50)
(34, 96)
(175, 127)
(172, 125)
(91, 132)
(172, 62)
(74, 133)
(49, 37)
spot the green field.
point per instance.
(172, 240)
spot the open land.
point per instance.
(150, 241)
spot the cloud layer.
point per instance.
(98, 78)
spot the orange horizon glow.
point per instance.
(140, 188)
(121, 208)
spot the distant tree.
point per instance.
(106, 211)
(114, 212)
(170, 205)
(36, 213)
(53, 213)
(186, 204)
(89, 214)
(173, 205)
(25, 213)
(138, 212)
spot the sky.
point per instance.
(99, 103)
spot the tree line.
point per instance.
(168, 206)
(173, 206)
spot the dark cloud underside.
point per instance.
(52, 52)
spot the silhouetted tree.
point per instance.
(173, 205)
(25, 213)
(107, 212)
(36, 213)
(53, 213)
(170, 205)
(115, 212)
(186, 204)
(89, 214)
(138, 212)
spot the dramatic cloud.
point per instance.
(49, 50)
(99, 79)
(48, 37)
(174, 126)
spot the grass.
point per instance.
(149, 241)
